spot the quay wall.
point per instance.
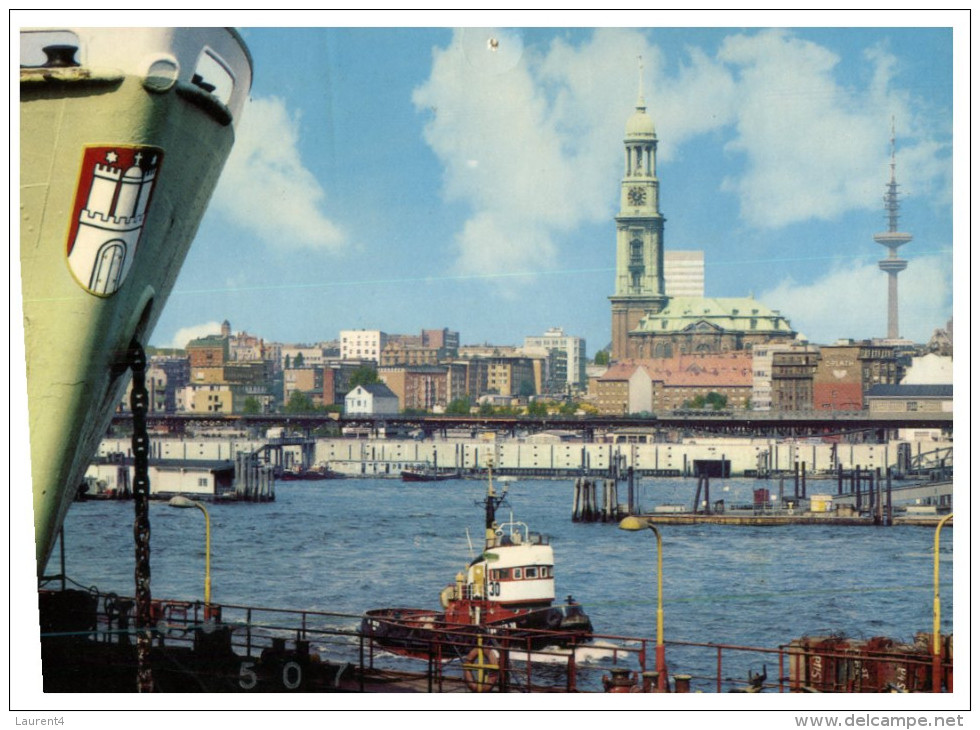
(380, 457)
(386, 457)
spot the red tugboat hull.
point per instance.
(416, 632)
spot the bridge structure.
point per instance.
(846, 426)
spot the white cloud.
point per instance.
(851, 301)
(265, 187)
(186, 334)
(814, 145)
(529, 144)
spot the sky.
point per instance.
(401, 178)
(409, 178)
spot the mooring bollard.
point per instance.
(650, 681)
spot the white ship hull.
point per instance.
(120, 152)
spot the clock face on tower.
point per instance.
(636, 196)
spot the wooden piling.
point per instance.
(888, 478)
(880, 511)
(856, 481)
(576, 496)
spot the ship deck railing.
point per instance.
(444, 660)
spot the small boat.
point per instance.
(426, 473)
(508, 591)
(316, 473)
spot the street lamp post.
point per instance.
(184, 502)
(936, 643)
(634, 524)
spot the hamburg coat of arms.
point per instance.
(112, 196)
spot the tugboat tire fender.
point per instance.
(445, 595)
(481, 669)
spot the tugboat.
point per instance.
(508, 590)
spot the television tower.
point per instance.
(892, 238)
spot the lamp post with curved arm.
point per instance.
(634, 524)
(184, 502)
(937, 667)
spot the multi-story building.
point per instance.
(420, 387)
(308, 380)
(792, 378)
(575, 359)
(207, 398)
(292, 356)
(511, 376)
(337, 376)
(208, 352)
(397, 353)
(225, 371)
(623, 389)
(362, 344)
(680, 380)
(486, 350)
(684, 273)
(441, 338)
(177, 374)
(847, 370)
(254, 372)
(551, 369)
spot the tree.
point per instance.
(287, 363)
(568, 408)
(298, 362)
(537, 408)
(251, 406)
(602, 357)
(714, 401)
(299, 402)
(459, 407)
(363, 375)
(486, 409)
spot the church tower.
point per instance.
(639, 233)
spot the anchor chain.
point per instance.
(138, 401)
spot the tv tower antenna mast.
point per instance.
(892, 239)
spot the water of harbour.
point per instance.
(351, 545)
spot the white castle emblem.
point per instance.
(108, 220)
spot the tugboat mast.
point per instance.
(491, 503)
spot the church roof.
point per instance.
(743, 314)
